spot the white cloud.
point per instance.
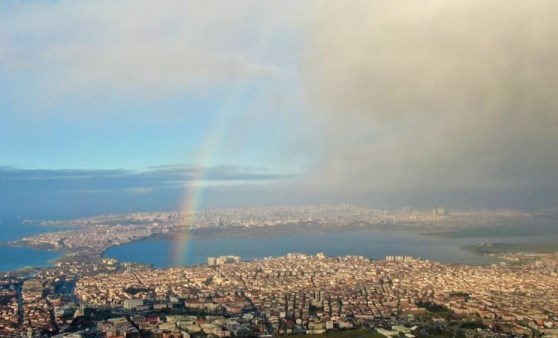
(140, 190)
(143, 47)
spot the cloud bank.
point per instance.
(67, 193)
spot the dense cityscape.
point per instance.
(340, 215)
(88, 295)
(294, 294)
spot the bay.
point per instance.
(375, 244)
(13, 258)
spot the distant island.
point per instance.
(507, 248)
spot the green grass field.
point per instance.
(362, 333)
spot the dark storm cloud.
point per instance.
(435, 96)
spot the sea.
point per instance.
(375, 244)
(13, 258)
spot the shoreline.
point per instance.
(267, 232)
(499, 248)
(333, 253)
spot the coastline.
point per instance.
(261, 232)
(373, 244)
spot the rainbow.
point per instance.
(193, 197)
(190, 205)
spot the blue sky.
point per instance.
(374, 102)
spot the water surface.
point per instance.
(13, 258)
(375, 244)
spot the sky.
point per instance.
(133, 105)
